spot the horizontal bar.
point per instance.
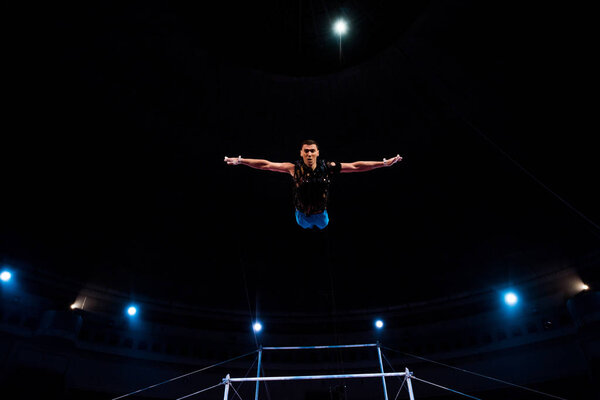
(307, 377)
(319, 347)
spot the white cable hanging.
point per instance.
(422, 380)
(477, 374)
(445, 388)
(236, 392)
(183, 376)
(200, 391)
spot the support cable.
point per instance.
(266, 387)
(183, 376)
(445, 388)
(236, 392)
(393, 370)
(401, 386)
(533, 177)
(212, 387)
(477, 374)
(200, 391)
(572, 208)
(247, 372)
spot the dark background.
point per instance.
(118, 117)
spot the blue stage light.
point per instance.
(511, 299)
(5, 276)
(257, 326)
(379, 324)
(131, 311)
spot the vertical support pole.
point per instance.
(227, 383)
(409, 384)
(258, 371)
(381, 366)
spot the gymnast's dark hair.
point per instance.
(309, 142)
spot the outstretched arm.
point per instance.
(265, 165)
(362, 166)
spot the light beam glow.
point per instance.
(131, 310)
(379, 324)
(340, 27)
(257, 326)
(511, 298)
(5, 276)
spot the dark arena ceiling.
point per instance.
(119, 117)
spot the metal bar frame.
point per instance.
(382, 371)
(228, 380)
(227, 383)
(310, 377)
(409, 384)
(341, 346)
(258, 372)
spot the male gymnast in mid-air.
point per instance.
(311, 180)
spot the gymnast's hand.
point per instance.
(233, 160)
(391, 161)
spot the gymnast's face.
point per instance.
(309, 154)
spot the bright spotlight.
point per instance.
(584, 286)
(379, 324)
(131, 311)
(73, 306)
(511, 298)
(257, 326)
(340, 27)
(5, 276)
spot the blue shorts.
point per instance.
(308, 221)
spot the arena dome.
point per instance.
(116, 195)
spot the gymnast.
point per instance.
(311, 180)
